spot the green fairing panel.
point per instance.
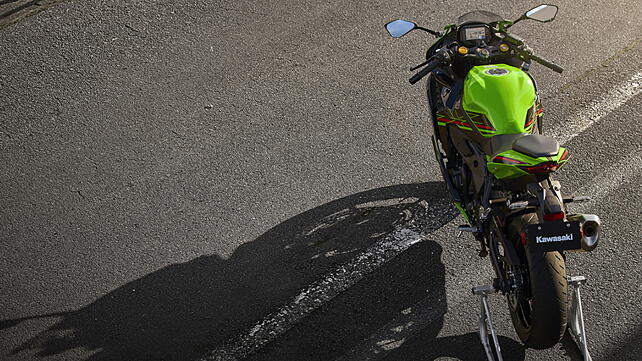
(462, 210)
(509, 171)
(501, 92)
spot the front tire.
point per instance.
(540, 313)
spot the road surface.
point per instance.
(252, 180)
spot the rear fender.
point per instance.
(549, 197)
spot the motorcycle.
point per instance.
(498, 166)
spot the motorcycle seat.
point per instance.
(533, 145)
(536, 145)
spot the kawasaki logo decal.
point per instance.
(566, 237)
(496, 71)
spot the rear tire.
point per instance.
(541, 314)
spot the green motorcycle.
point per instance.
(487, 120)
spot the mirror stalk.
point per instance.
(432, 32)
(518, 20)
(507, 24)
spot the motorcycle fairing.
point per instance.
(513, 164)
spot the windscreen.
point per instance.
(479, 16)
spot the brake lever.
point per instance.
(524, 52)
(444, 53)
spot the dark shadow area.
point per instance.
(629, 349)
(468, 347)
(373, 305)
(182, 310)
(19, 8)
(3, 2)
(570, 348)
(12, 322)
(395, 313)
(12, 11)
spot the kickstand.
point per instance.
(576, 321)
(486, 329)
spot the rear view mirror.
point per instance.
(543, 13)
(399, 28)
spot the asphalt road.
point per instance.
(173, 172)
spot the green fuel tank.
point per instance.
(502, 93)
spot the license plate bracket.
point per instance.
(554, 236)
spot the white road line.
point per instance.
(614, 99)
(316, 295)
(609, 180)
(350, 273)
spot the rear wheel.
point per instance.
(540, 311)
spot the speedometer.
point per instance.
(476, 33)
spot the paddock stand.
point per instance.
(488, 336)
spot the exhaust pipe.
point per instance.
(590, 226)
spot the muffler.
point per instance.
(590, 226)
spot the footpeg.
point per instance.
(466, 228)
(487, 332)
(518, 205)
(576, 321)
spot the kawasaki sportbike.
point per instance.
(487, 122)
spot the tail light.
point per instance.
(546, 167)
(559, 216)
(506, 160)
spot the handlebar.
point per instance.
(430, 66)
(527, 54)
(443, 56)
(439, 58)
(547, 63)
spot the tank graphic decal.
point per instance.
(531, 118)
(457, 118)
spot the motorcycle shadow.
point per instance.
(461, 347)
(182, 310)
